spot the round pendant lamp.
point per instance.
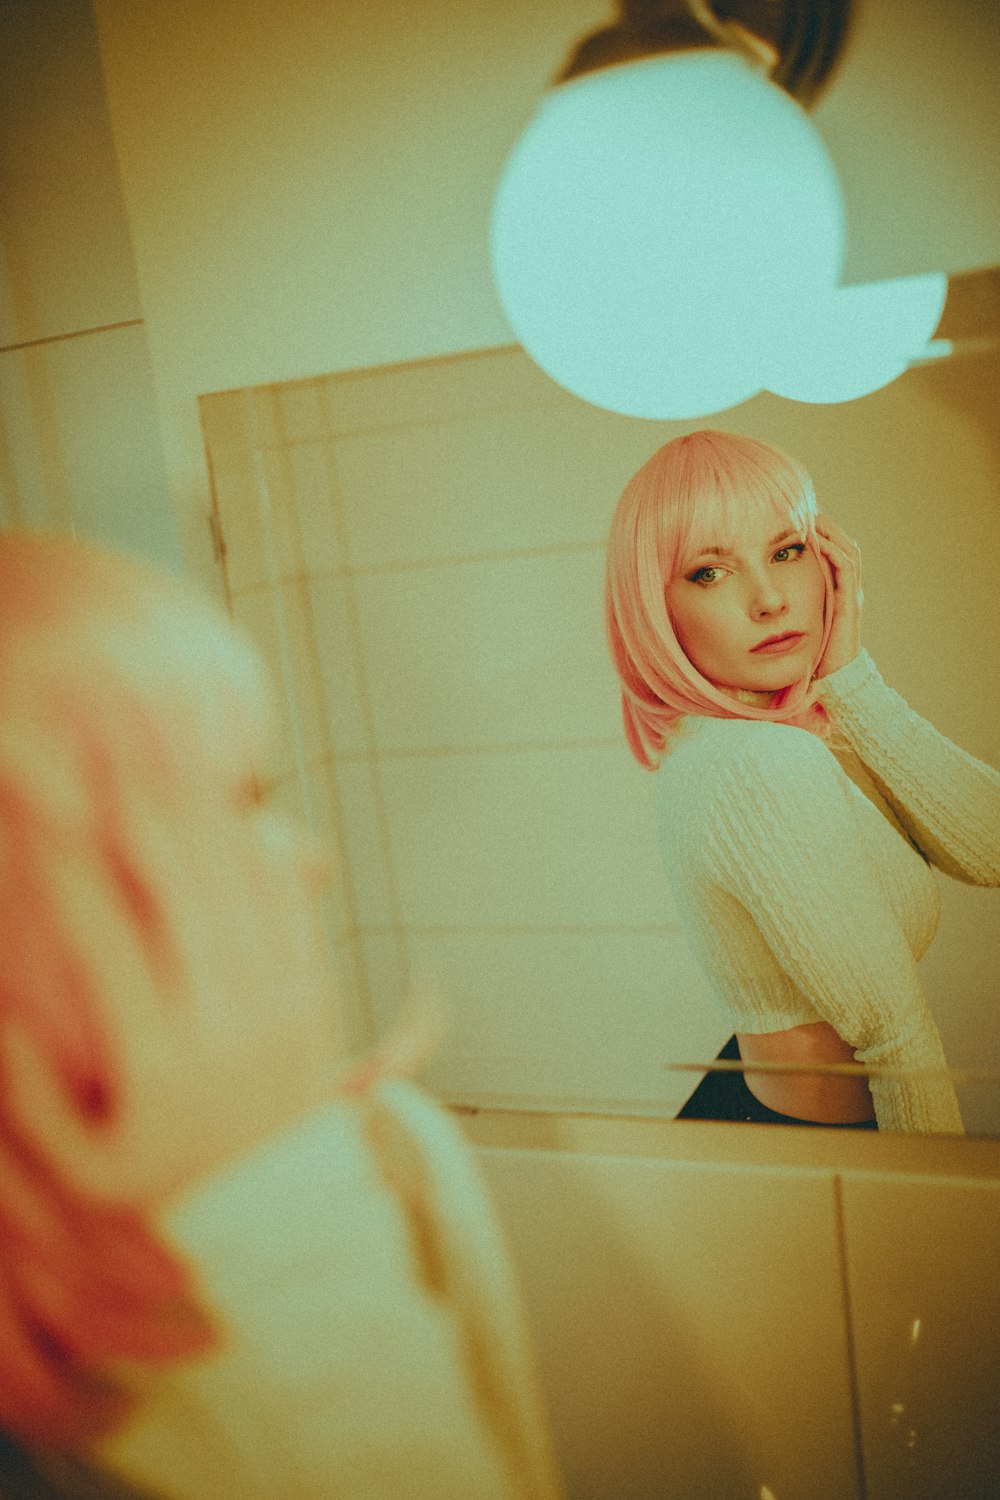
(668, 232)
(648, 222)
(852, 340)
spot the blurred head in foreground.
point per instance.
(163, 1005)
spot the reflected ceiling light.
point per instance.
(852, 340)
(668, 233)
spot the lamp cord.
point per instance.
(731, 34)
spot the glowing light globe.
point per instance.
(667, 241)
(648, 226)
(852, 340)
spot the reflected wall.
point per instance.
(418, 549)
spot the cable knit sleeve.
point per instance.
(948, 802)
(781, 838)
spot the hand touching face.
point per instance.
(843, 557)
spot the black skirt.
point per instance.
(725, 1096)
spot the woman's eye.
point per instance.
(782, 553)
(703, 575)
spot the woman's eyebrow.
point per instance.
(717, 549)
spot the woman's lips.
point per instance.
(776, 648)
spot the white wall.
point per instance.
(79, 431)
(308, 185)
(731, 1314)
(431, 606)
(306, 190)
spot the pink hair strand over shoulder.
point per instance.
(696, 487)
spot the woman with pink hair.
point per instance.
(800, 801)
(231, 1263)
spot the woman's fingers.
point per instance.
(843, 557)
(838, 540)
(843, 554)
(827, 527)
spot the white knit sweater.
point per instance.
(375, 1346)
(800, 870)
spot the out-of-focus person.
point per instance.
(230, 1265)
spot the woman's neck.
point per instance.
(748, 695)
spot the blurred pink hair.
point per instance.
(87, 716)
(695, 489)
(83, 1283)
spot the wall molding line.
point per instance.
(77, 333)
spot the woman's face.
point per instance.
(229, 849)
(728, 603)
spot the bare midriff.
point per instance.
(829, 1099)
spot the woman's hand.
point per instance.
(843, 556)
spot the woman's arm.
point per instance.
(948, 802)
(781, 837)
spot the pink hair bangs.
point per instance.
(695, 491)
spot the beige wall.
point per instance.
(726, 1313)
(306, 189)
(428, 594)
(430, 600)
(308, 185)
(79, 431)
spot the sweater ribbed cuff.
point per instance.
(841, 685)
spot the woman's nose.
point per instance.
(767, 599)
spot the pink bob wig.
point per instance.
(694, 490)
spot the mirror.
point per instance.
(419, 551)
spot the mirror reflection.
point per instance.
(800, 801)
(420, 552)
